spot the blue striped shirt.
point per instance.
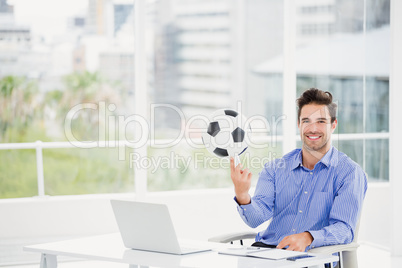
(325, 201)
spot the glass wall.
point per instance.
(343, 47)
(204, 59)
(66, 75)
(73, 80)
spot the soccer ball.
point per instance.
(226, 133)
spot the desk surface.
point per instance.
(111, 248)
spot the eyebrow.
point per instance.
(321, 118)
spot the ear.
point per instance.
(333, 125)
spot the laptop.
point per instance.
(148, 226)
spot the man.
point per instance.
(313, 195)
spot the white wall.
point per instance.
(375, 224)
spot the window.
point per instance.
(74, 81)
(204, 58)
(353, 63)
(70, 59)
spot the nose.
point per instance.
(313, 127)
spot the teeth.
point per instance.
(313, 137)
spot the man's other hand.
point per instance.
(242, 182)
(296, 242)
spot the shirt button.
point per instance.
(305, 192)
(300, 211)
(294, 230)
(311, 173)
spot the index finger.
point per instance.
(282, 244)
(232, 167)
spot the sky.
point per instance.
(47, 17)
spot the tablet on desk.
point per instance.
(277, 254)
(265, 253)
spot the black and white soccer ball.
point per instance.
(226, 133)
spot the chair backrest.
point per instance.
(358, 219)
(356, 234)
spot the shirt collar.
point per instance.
(298, 161)
(327, 159)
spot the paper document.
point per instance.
(266, 253)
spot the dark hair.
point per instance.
(316, 96)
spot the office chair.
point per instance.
(347, 252)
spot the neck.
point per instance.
(311, 157)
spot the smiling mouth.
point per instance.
(313, 137)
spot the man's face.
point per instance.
(316, 128)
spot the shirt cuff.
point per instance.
(243, 207)
(243, 210)
(318, 238)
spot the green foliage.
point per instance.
(182, 167)
(18, 173)
(83, 83)
(67, 171)
(83, 88)
(20, 108)
(86, 171)
(53, 97)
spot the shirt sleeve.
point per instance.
(262, 203)
(345, 211)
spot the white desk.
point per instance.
(110, 248)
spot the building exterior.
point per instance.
(18, 55)
(194, 58)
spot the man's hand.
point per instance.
(296, 242)
(242, 182)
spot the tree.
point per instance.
(20, 106)
(80, 88)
